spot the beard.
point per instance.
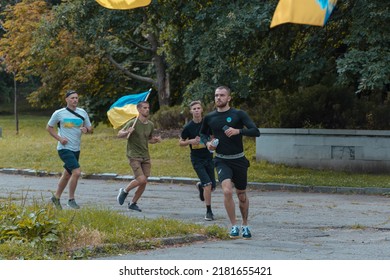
(221, 104)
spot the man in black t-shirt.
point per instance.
(201, 157)
(228, 125)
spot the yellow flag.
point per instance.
(311, 12)
(125, 108)
(123, 4)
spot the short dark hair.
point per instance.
(225, 88)
(139, 104)
(69, 92)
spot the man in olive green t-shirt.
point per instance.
(139, 133)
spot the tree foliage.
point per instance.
(184, 49)
(366, 61)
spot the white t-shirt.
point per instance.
(69, 127)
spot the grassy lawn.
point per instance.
(104, 152)
(40, 232)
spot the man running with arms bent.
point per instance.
(229, 125)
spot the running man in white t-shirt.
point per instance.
(72, 122)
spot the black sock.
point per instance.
(208, 208)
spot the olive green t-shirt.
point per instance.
(137, 143)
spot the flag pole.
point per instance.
(136, 119)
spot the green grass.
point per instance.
(76, 234)
(39, 231)
(104, 152)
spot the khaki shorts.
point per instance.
(140, 166)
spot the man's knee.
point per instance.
(142, 180)
(227, 187)
(76, 172)
(241, 194)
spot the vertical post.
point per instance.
(16, 113)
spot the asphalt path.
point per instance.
(286, 225)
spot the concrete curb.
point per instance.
(192, 181)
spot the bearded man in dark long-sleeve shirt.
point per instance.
(228, 125)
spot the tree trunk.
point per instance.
(16, 113)
(163, 85)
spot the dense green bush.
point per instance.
(319, 107)
(33, 225)
(170, 117)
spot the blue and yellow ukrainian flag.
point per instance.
(311, 12)
(123, 4)
(125, 108)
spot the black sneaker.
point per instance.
(209, 216)
(134, 206)
(200, 189)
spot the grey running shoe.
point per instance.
(234, 232)
(56, 202)
(72, 204)
(121, 196)
(201, 190)
(246, 233)
(209, 216)
(134, 206)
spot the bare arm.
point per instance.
(155, 139)
(54, 134)
(85, 129)
(125, 133)
(186, 142)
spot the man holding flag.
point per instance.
(139, 133)
(124, 109)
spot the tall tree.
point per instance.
(15, 46)
(189, 47)
(129, 40)
(366, 61)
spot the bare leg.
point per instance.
(138, 193)
(76, 173)
(139, 183)
(207, 194)
(227, 188)
(244, 206)
(63, 182)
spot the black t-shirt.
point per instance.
(190, 131)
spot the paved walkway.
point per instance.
(286, 225)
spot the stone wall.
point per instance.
(338, 149)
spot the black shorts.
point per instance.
(234, 169)
(204, 168)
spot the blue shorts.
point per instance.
(234, 169)
(70, 159)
